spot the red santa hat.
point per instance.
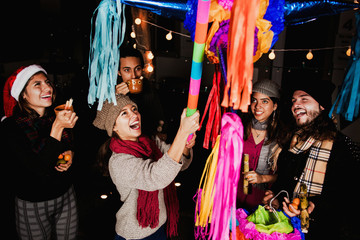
(15, 84)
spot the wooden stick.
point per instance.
(246, 169)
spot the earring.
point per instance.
(274, 115)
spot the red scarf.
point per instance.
(147, 202)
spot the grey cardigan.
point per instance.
(129, 174)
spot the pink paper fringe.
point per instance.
(250, 232)
(227, 177)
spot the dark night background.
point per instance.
(55, 34)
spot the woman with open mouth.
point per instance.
(143, 170)
(45, 206)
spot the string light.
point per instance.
(150, 55)
(169, 36)
(309, 56)
(272, 55)
(348, 52)
(149, 68)
(137, 21)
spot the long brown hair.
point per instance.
(103, 156)
(23, 104)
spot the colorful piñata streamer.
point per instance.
(213, 105)
(216, 196)
(202, 19)
(104, 56)
(205, 194)
(240, 54)
(227, 177)
(348, 99)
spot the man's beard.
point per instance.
(311, 116)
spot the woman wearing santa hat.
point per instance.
(45, 206)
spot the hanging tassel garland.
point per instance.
(227, 177)
(240, 54)
(348, 99)
(216, 196)
(213, 102)
(205, 194)
(104, 56)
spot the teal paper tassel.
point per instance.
(348, 99)
(104, 56)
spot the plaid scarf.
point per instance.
(313, 174)
(37, 130)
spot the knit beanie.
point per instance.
(106, 117)
(320, 90)
(267, 87)
(15, 84)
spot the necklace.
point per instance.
(257, 133)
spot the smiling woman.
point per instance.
(128, 123)
(144, 170)
(262, 144)
(38, 94)
(35, 138)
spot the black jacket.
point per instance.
(336, 208)
(31, 176)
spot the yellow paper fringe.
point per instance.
(203, 215)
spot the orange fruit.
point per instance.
(294, 205)
(295, 201)
(60, 156)
(67, 157)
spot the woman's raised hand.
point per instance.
(189, 124)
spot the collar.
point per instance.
(257, 125)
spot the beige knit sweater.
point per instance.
(129, 174)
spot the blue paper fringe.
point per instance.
(104, 56)
(348, 99)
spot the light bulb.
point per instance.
(272, 55)
(309, 56)
(132, 34)
(150, 55)
(348, 52)
(169, 36)
(137, 21)
(134, 46)
(150, 68)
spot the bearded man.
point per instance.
(323, 159)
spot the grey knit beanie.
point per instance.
(267, 87)
(106, 117)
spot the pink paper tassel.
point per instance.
(227, 177)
